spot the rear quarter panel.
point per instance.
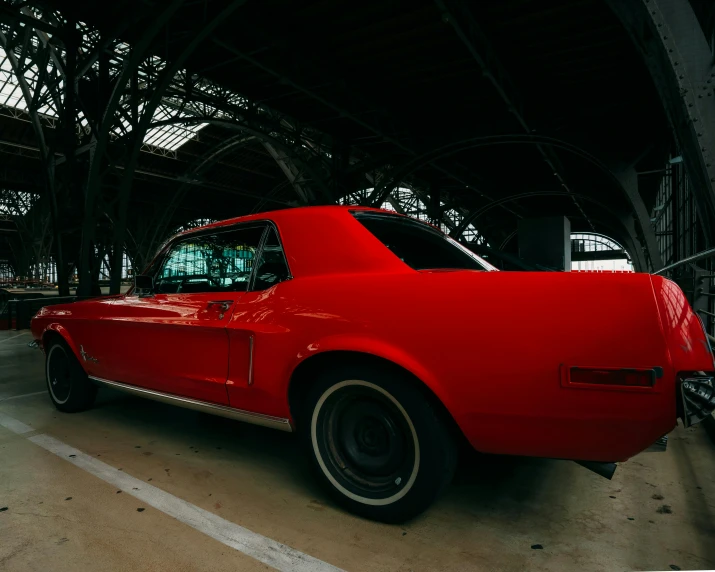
(682, 329)
(491, 347)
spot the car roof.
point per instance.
(283, 214)
(322, 240)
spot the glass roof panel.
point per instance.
(169, 137)
(16, 203)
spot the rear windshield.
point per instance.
(419, 245)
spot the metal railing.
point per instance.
(8, 304)
(694, 258)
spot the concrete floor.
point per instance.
(60, 517)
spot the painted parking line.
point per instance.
(17, 427)
(9, 397)
(262, 548)
(13, 337)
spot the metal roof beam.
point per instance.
(292, 173)
(675, 49)
(346, 114)
(455, 12)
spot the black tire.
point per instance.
(69, 387)
(377, 442)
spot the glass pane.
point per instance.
(418, 245)
(219, 262)
(272, 267)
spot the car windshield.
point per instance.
(420, 246)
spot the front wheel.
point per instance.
(67, 383)
(377, 443)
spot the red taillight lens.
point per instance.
(626, 377)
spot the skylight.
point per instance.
(16, 203)
(167, 137)
(171, 137)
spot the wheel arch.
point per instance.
(307, 370)
(57, 331)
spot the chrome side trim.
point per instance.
(250, 359)
(221, 410)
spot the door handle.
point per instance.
(224, 304)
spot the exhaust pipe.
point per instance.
(604, 469)
(660, 446)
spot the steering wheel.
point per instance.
(208, 278)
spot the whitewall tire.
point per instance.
(377, 442)
(67, 383)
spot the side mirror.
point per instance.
(143, 285)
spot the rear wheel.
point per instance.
(67, 383)
(377, 443)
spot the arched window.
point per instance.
(593, 251)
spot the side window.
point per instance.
(272, 267)
(218, 262)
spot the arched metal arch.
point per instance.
(45, 155)
(199, 166)
(263, 136)
(380, 193)
(165, 78)
(628, 243)
(474, 215)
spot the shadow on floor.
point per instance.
(480, 480)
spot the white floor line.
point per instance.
(9, 397)
(262, 548)
(13, 337)
(14, 425)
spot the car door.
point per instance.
(255, 331)
(174, 340)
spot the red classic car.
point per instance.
(385, 344)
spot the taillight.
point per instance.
(622, 377)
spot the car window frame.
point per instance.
(259, 255)
(160, 260)
(406, 220)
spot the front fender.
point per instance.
(64, 333)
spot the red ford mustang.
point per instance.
(385, 343)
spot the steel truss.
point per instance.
(458, 14)
(31, 245)
(138, 102)
(679, 55)
(106, 102)
(153, 106)
(416, 203)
